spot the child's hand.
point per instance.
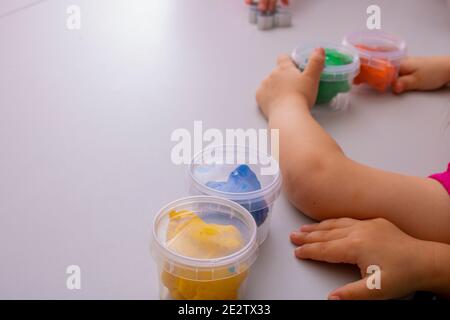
(268, 5)
(402, 259)
(287, 82)
(423, 73)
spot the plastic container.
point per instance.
(380, 54)
(236, 169)
(283, 17)
(266, 20)
(204, 248)
(253, 13)
(341, 67)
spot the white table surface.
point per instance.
(86, 118)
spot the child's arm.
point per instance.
(423, 73)
(406, 264)
(323, 183)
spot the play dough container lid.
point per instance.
(203, 238)
(341, 63)
(380, 54)
(235, 163)
(241, 174)
(375, 45)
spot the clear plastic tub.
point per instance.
(240, 174)
(341, 67)
(283, 17)
(266, 20)
(204, 248)
(253, 13)
(380, 54)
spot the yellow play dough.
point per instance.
(189, 235)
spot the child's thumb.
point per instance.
(405, 83)
(357, 290)
(315, 63)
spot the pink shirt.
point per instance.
(443, 178)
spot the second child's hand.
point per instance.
(406, 264)
(423, 73)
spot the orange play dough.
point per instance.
(379, 74)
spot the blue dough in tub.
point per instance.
(242, 180)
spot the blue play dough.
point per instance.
(241, 180)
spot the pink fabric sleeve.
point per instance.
(443, 178)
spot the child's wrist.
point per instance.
(433, 275)
(295, 101)
(426, 274)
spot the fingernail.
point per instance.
(320, 51)
(298, 250)
(334, 298)
(296, 234)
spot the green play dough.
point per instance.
(336, 58)
(329, 89)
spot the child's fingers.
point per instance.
(248, 2)
(315, 63)
(336, 251)
(300, 238)
(329, 224)
(263, 5)
(406, 83)
(285, 60)
(407, 66)
(285, 2)
(272, 5)
(357, 290)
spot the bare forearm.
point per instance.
(304, 145)
(305, 149)
(323, 183)
(300, 131)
